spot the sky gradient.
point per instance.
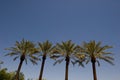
(61, 20)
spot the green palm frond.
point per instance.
(12, 54)
(107, 59)
(45, 48)
(98, 62)
(80, 56)
(95, 50)
(33, 61)
(15, 58)
(68, 49)
(103, 48)
(79, 59)
(55, 57)
(58, 61)
(79, 62)
(34, 57)
(24, 47)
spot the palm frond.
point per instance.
(95, 50)
(11, 54)
(104, 48)
(98, 62)
(73, 62)
(65, 49)
(33, 61)
(106, 53)
(54, 56)
(45, 47)
(34, 58)
(15, 58)
(107, 60)
(24, 47)
(109, 57)
(58, 61)
(80, 63)
(87, 61)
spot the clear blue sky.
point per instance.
(60, 20)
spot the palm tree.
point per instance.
(45, 50)
(23, 50)
(94, 51)
(65, 51)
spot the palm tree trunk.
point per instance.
(18, 70)
(67, 67)
(22, 58)
(42, 67)
(94, 71)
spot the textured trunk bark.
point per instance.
(67, 67)
(94, 71)
(22, 58)
(42, 67)
(19, 68)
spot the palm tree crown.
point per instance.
(45, 48)
(24, 50)
(94, 51)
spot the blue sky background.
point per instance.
(61, 20)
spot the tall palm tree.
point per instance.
(65, 51)
(95, 52)
(45, 50)
(23, 50)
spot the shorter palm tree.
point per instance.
(23, 50)
(45, 49)
(95, 52)
(65, 51)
